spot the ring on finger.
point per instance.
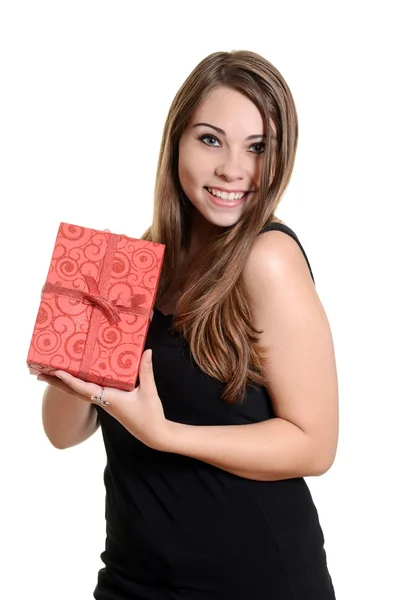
(99, 399)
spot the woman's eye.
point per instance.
(259, 148)
(209, 140)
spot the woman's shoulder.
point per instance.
(275, 229)
(277, 247)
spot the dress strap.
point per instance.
(282, 227)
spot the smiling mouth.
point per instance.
(227, 196)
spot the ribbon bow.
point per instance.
(111, 308)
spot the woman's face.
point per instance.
(221, 156)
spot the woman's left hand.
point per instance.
(140, 411)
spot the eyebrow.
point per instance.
(222, 132)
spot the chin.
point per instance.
(222, 220)
(225, 217)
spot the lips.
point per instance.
(226, 195)
(226, 203)
(220, 192)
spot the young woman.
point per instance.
(206, 458)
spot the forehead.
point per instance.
(230, 110)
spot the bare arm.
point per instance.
(300, 375)
(68, 418)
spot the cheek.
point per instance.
(186, 175)
(185, 172)
(192, 166)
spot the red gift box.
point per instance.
(96, 306)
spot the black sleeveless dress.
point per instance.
(180, 529)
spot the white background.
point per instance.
(85, 88)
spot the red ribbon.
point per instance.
(101, 304)
(111, 308)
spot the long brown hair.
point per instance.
(213, 308)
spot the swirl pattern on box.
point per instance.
(95, 307)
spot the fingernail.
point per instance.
(149, 355)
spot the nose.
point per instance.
(230, 168)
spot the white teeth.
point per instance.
(226, 195)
